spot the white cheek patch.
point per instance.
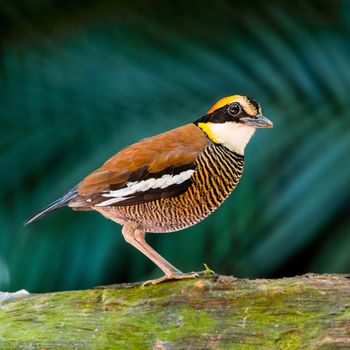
(144, 185)
(233, 136)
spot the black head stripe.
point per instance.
(220, 116)
(254, 103)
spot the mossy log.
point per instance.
(216, 312)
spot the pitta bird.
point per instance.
(170, 181)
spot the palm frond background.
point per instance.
(80, 80)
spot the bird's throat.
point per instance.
(233, 136)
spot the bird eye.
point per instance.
(234, 109)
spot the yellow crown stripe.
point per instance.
(224, 101)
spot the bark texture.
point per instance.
(216, 312)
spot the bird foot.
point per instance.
(172, 276)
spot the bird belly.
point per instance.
(217, 174)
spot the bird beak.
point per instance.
(257, 122)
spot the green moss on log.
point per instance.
(219, 312)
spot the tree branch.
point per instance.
(217, 312)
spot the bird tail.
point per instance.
(59, 203)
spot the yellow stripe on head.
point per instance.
(250, 106)
(223, 102)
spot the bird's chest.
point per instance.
(217, 173)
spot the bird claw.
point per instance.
(173, 276)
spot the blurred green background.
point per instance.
(79, 80)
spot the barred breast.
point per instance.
(216, 174)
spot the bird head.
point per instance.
(232, 121)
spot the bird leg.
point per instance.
(135, 236)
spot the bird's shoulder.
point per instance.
(155, 155)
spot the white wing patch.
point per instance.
(143, 186)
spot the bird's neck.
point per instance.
(233, 136)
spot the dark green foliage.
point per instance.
(79, 81)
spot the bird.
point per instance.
(170, 181)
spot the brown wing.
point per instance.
(150, 157)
